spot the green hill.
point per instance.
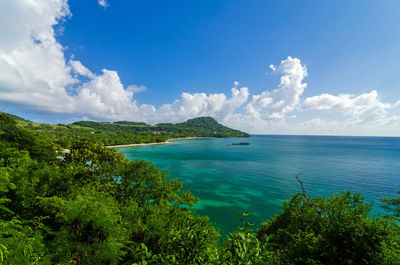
(198, 127)
(203, 126)
(127, 132)
(209, 123)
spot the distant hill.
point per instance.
(128, 132)
(129, 123)
(207, 123)
(202, 126)
(15, 117)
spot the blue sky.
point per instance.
(341, 59)
(206, 45)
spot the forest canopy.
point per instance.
(94, 206)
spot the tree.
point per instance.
(334, 230)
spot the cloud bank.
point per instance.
(35, 74)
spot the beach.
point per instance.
(166, 142)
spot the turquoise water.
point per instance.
(256, 178)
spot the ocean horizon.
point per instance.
(257, 178)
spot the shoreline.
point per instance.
(166, 142)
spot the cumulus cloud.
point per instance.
(201, 104)
(277, 103)
(103, 3)
(363, 108)
(79, 69)
(32, 66)
(34, 73)
(136, 88)
(366, 103)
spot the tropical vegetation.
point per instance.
(62, 136)
(93, 206)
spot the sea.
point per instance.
(258, 177)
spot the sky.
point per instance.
(265, 67)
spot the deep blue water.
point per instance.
(256, 178)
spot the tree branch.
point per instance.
(297, 176)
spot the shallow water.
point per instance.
(256, 178)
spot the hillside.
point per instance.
(127, 132)
(202, 126)
(198, 127)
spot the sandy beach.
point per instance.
(129, 145)
(166, 142)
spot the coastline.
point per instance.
(166, 142)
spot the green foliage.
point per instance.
(6, 119)
(90, 230)
(22, 244)
(242, 246)
(106, 133)
(392, 205)
(93, 206)
(96, 207)
(334, 230)
(24, 139)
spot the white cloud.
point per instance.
(32, 65)
(103, 3)
(80, 69)
(277, 103)
(365, 107)
(272, 67)
(363, 114)
(201, 104)
(319, 126)
(34, 73)
(136, 88)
